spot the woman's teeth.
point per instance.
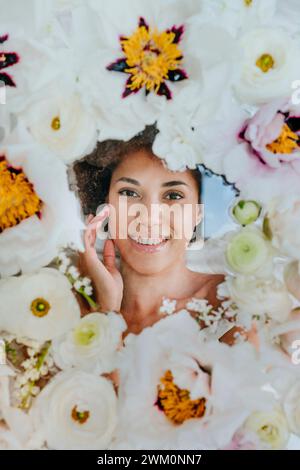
(148, 241)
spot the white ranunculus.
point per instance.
(284, 222)
(39, 306)
(63, 124)
(270, 427)
(38, 212)
(92, 344)
(76, 411)
(249, 252)
(269, 66)
(291, 406)
(172, 352)
(260, 297)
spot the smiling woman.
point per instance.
(150, 230)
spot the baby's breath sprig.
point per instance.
(81, 284)
(37, 365)
(208, 315)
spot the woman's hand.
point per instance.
(106, 278)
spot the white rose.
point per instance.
(92, 344)
(270, 63)
(270, 427)
(40, 306)
(76, 410)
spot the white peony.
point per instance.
(92, 344)
(169, 360)
(260, 297)
(39, 306)
(284, 223)
(38, 212)
(76, 411)
(269, 65)
(160, 61)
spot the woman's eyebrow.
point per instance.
(174, 183)
(129, 180)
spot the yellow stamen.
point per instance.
(80, 416)
(18, 200)
(247, 2)
(287, 141)
(150, 55)
(55, 124)
(40, 307)
(176, 402)
(265, 62)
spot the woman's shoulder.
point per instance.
(208, 287)
(204, 287)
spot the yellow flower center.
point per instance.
(285, 143)
(150, 56)
(265, 62)
(18, 200)
(55, 124)
(247, 2)
(40, 307)
(176, 402)
(268, 433)
(84, 335)
(80, 416)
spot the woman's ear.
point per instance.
(199, 214)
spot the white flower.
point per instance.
(292, 278)
(269, 66)
(156, 67)
(241, 15)
(92, 344)
(76, 410)
(260, 297)
(284, 227)
(40, 306)
(270, 427)
(38, 212)
(168, 357)
(249, 252)
(291, 406)
(60, 122)
(176, 143)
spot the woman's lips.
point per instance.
(144, 248)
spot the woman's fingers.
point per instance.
(92, 225)
(109, 255)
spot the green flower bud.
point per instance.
(246, 212)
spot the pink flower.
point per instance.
(273, 134)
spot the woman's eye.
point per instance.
(174, 195)
(128, 193)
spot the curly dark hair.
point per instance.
(93, 173)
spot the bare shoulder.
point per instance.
(208, 286)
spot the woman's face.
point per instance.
(155, 212)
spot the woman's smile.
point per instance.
(148, 245)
